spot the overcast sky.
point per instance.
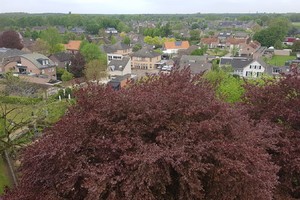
(149, 6)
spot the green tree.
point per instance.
(53, 38)
(195, 34)
(96, 70)
(90, 52)
(126, 40)
(197, 52)
(113, 40)
(276, 31)
(67, 76)
(136, 47)
(227, 87)
(41, 46)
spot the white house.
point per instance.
(120, 67)
(244, 67)
(173, 47)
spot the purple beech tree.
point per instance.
(278, 102)
(77, 65)
(167, 137)
(11, 39)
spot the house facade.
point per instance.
(8, 55)
(119, 67)
(145, 59)
(244, 67)
(248, 50)
(61, 59)
(34, 67)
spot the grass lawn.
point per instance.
(4, 178)
(280, 60)
(297, 24)
(52, 111)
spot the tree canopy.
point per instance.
(11, 39)
(276, 31)
(278, 102)
(167, 137)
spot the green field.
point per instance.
(297, 24)
(4, 177)
(280, 60)
(51, 112)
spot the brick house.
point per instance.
(145, 59)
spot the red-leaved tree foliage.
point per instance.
(165, 138)
(11, 39)
(278, 102)
(77, 65)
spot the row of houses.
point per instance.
(121, 60)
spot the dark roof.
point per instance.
(236, 62)
(118, 65)
(115, 47)
(62, 56)
(197, 64)
(145, 53)
(7, 53)
(225, 34)
(77, 30)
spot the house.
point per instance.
(78, 30)
(244, 67)
(73, 46)
(187, 51)
(211, 42)
(119, 67)
(118, 82)
(8, 55)
(145, 59)
(28, 45)
(277, 71)
(117, 49)
(241, 35)
(230, 24)
(290, 40)
(173, 47)
(224, 35)
(61, 59)
(111, 31)
(235, 42)
(197, 64)
(61, 29)
(33, 67)
(247, 50)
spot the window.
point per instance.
(259, 67)
(117, 58)
(248, 73)
(276, 70)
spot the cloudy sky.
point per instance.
(149, 6)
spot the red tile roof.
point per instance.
(177, 45)
(209, 40)
(236, 41)
(73, 45)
